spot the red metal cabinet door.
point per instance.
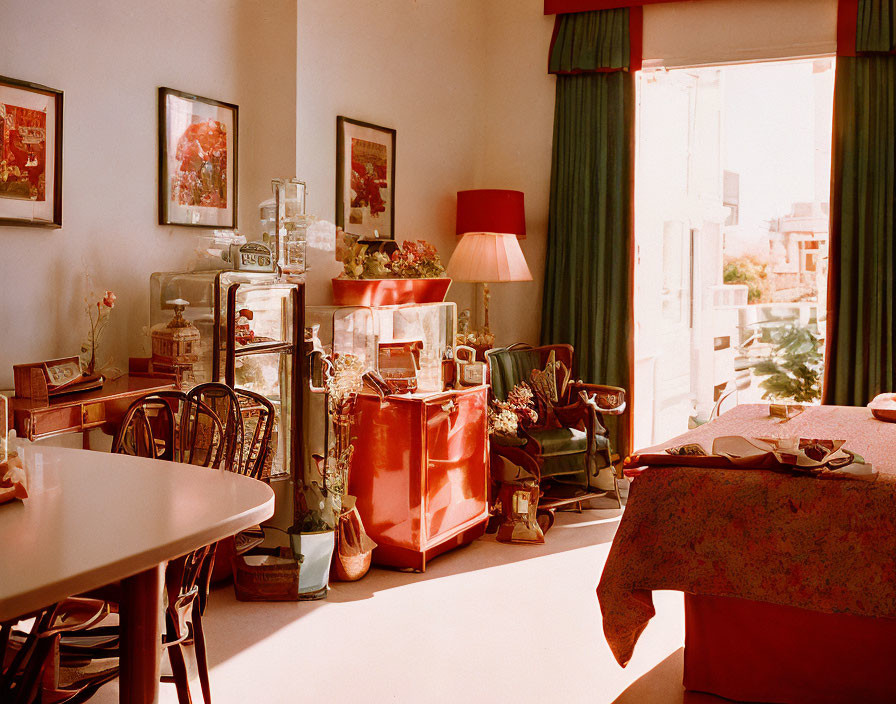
(456, 463)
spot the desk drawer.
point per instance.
(45, 422)
(93, 414)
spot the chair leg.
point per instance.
(616, 485)
(201, 657)
(179, 670)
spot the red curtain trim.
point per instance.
(635, 38)
(847, 21)
(563, 7)
(635, 46)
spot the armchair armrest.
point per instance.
(517, 455)
(608, 399)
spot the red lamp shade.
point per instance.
(491, 210)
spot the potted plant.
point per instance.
(413, 273)
(321, 505)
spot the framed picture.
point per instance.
(30, 154)
(197, 160)
(365, 179)
(63, 371)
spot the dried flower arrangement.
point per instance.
(506, 417)
(320, 505)
(98, 313)
(417, 260)
(412, 260)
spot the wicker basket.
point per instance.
(278, 581)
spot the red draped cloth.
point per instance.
(826, 546)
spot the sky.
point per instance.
(771, 114)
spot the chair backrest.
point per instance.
(182, 427)
(150, 427)
(258, 418)
(224, 405)
(509, 366)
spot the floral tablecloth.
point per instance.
(824, 545)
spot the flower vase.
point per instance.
(314, 551)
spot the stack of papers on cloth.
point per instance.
(814, 457)
(811, 456)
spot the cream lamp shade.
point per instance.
(482, 257)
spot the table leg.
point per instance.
(141, 638)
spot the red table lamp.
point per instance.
(490, 221)
(491, 210)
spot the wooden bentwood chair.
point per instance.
(569, 445)
(203, 427)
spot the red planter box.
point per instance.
(388, 292)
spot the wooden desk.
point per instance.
(93, 518)
(81, 412)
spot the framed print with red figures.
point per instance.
(365, 180)
(198, 144)
(30, 154)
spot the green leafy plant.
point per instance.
(749, 272)
(795, 366)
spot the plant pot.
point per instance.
(316, 550)
(388, 292)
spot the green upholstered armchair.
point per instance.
(569, 444)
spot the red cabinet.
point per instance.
(420, 473)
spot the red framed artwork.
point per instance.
(198, 144)
(30, 154)
(365, 179)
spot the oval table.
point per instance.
(92, 518)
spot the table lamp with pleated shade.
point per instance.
(487, 257)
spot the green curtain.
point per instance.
(588, 273)
(587, 41)
(876, 25)
(861, 353)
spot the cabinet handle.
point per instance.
(449, 407)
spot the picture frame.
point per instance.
(30, 154)
(62, 372)
(365, 179)
(198, 160)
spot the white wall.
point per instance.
(110, 57)
(518, 113)
(412, 65)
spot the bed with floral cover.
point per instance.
(822, 545)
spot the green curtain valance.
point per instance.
(587, 42)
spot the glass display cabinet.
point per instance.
(250, 327)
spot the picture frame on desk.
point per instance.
(30, 154)
(44, 380)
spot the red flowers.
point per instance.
(109, 299)
(201, 178)
(417, 260)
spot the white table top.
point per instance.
(92, 518)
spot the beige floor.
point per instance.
(486, 623)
